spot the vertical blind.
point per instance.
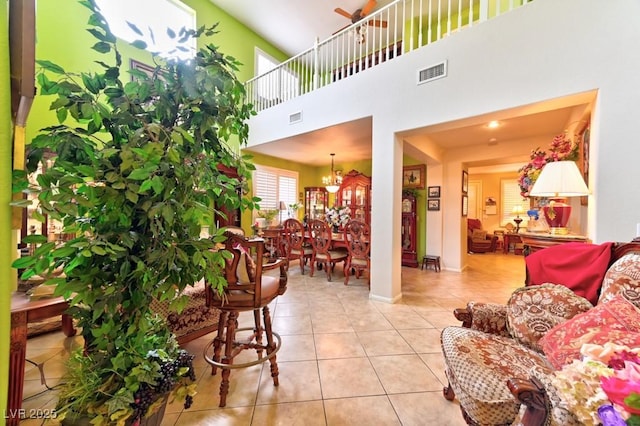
(510, 198)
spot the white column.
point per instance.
(386, 185)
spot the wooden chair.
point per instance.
(247, 290)
(295, 244)
(322, 248)
(357, 236)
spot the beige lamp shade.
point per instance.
(517, 210)
(559, 179)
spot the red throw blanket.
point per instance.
(580, 267)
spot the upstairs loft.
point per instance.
(396, 29)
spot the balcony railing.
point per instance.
(395, 29)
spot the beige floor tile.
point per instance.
(297, 347)
(308, 413)
(345, 359)
(426, 409)
(299, 381)
(331, 323)
(217, 417)
(338, 345)
(426, 340)
(404, 373)
(342, 378)
(375, 410)
(385, 342)
(435, 362)
(285, 326)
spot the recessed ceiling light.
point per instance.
(493, 124)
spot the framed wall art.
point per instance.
(433, 204)
(414, 176)
(465, 205)
(465, 182)
(433, 192)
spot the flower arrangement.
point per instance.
(603, 387)
(338, 216)
(561, 148)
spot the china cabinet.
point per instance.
(409, 219)
(355, 192)
(316, 200)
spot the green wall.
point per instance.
(6, 275)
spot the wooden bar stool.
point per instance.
(431, 260)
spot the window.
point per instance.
(274, 185)
(510, 198)
(277, 85)
(165, 14)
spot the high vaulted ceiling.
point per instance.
(293, 26)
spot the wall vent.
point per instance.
(296, 117)
(433, 72)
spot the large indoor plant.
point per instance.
(134, 176)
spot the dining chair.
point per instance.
(357, 235)
(247, 290)
(323, 250)
(295, 242)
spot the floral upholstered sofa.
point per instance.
(501, 362)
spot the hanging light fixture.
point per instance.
(332, 182)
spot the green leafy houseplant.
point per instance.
(134, 177)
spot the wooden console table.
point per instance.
(534, 241)
(23, 311)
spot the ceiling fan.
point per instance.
(360, 14)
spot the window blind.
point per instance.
(511, 197)
(273, 185)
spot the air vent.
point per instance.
(432, 73)
(296, 117)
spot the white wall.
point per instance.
(545, 50)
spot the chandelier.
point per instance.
(332, 182)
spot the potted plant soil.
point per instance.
(134, 176)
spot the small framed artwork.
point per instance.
(465, 205)
(465, 181)
(433, 192)
(583, 163)
(433, 204)
(414, 176)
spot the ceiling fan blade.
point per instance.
(378, 23)
(342, 12)
(368, 7)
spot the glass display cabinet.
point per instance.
(355, 192)
(316, 202)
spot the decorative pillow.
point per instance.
(616, 320)
(533, 311)
(623, 277)
(479, 234)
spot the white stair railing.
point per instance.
(408, 25)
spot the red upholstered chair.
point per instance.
(478, 240)
(295, 244)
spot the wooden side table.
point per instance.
(510, 238)
(534, 241)
(24, 311)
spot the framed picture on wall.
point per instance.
(465, 181)
(414, 176)
(465, 205)
(433, 192)
(583, 161)
(433, 204)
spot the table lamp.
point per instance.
(558, 180)
(282, 206)
(517, 210)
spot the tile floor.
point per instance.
(345, 360)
